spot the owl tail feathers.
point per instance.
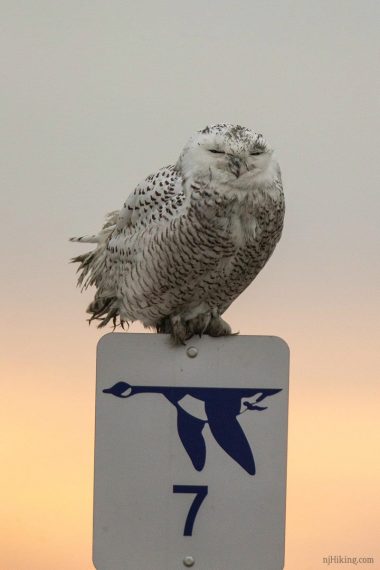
(107, 229)
(92, 264)
(87, 268)
(86, 239)
(93, 271)
(105, 309)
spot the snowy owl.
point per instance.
(190, 238)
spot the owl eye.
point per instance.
(256, 152)
(216, 151)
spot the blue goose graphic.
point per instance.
(221, 405)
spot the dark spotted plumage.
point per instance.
(190, 238)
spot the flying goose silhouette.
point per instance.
(222, 406)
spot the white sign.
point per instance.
(190, 455)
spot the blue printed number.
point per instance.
(200, 492)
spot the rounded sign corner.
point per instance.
(282, 343)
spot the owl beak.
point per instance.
(237, 166)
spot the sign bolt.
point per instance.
(188, 561)
(192, 352)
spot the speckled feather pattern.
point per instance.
(188, 240)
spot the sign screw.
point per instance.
(192, 352)
(188, 561)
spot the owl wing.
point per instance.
(158, 198)
(155, 201)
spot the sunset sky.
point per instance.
(97, 95)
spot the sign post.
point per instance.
(190, 453)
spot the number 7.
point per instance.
(200, 494)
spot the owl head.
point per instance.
(230, 156)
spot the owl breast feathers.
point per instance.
(190, 238)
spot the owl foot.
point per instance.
(164, 326)
(179, 332)
(198, 325)
(182, 330)
(218, 327)
(175, 327)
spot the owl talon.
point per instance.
(198, 325)
(218, 327)
(179, 332)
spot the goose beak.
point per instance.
(120, 390)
